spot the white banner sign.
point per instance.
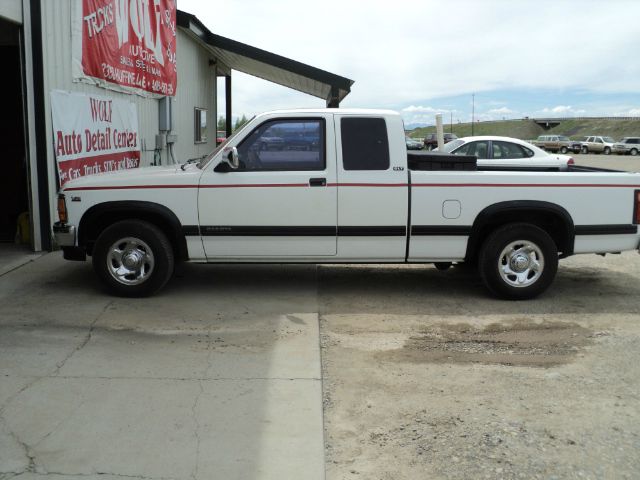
(93, 134)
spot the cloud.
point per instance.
(501, 111)
(420, 109)
(416, 65)
(567, 110)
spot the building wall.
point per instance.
(11, 10)
(196, 88)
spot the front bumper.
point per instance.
(64, 235)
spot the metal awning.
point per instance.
(266, 65)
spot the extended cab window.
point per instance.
(365, 145)
(281, 145)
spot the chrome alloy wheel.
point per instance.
(521, 263)
(130, 261)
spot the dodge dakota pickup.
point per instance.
(349, 193)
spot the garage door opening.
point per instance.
(14, 189)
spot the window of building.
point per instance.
(365, 145)
(284, 145)
(200, 125)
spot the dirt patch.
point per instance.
(518, 343)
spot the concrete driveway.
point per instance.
(216, 377)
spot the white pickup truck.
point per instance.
(338, 186)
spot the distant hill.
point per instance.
(413, 126)
(527, 129)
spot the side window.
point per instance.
(477, 149)
(365, 145)
(510, 150)
(284, 145)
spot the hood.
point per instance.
(163, 175)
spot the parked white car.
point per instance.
(506, 152)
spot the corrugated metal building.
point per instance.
(36, 42)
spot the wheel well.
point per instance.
(99, 217)
(551, 218)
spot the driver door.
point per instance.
(282, 200)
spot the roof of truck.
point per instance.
(342, 111)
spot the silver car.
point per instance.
(627, 146)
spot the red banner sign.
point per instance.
(126, 45)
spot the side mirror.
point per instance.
(234, 160)
(228, 163)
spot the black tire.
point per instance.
(633, 151)
(585, 150)
(133, 258)
(564, 150)
(516, 237)
(607, 151)
(442, 266)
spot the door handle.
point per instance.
(317, 182)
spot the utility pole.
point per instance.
(473, 111)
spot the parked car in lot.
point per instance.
(431, 140)
(557, 143)
(413, 144)
(505, 152)
(627, 146)
(221, 136)
(596, 144)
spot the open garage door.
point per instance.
(14, 188)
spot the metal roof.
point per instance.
(266, 65)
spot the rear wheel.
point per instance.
(442, 266)
(633, 151)
(133, 258)
(518, 261)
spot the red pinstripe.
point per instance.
(278, 185)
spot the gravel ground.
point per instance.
(425, 376)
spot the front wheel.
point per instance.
(585, 150)
(607, 151)
(564, 150)
(133, 258)
(518, 261)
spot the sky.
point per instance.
(503, 59)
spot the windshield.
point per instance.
(207, 158)
(608, 139)
(563, 138)
(451, 146)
